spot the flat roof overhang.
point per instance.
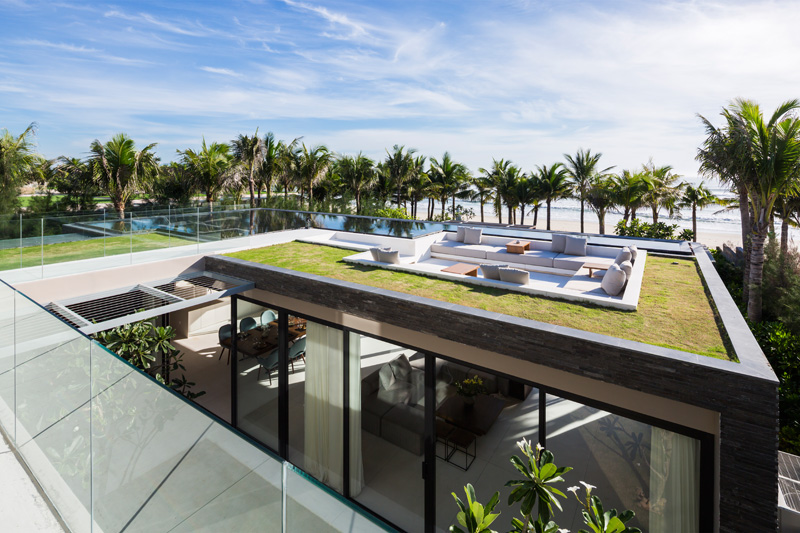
(105, 310)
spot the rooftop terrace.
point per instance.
(674, 311)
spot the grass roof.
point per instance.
(674, 311)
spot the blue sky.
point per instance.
(521, 80)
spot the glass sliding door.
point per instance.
(387, 424)
(634, 465)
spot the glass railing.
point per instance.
(114, 450)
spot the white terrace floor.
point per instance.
(393, 484)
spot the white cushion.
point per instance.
(626, 267)
(460, 233)
(558, 243)
(634, 252)
(389, 256)
(401, 368)
(515, 275)
(575, 245)
(472, 235)
(623, 255)
(614, 280)
(492, 271)
(386, 377)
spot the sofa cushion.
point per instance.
(534, 258)
(515, 275)
(575, 245)
(389, 256)
(460, 233)
(558, 243)
(472, 235)
(613, 280)
(626, 267)
(386, 377)
(623, 255)
(491, 271)
(465, 250)
(404, 426)
(634, 252)
(401, 368)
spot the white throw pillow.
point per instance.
(626, 267)
(614, 280)
(460, 233)
(492, 271)
(575, 245)
(623, 255)
(386, 377)
(634, 252)
(515, 275)
(472, 235)
(401, 368)
(389, 256)
(558, 243)
(374, 252)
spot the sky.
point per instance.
(521, 80)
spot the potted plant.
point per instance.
(469, 388)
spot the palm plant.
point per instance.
(662, 191)
(212, 167)
(120, 169)
(450, 178)
(18, 161)
(526, 193)
(418, 184)
(554, 183)
(313, 166)
(787, 207)
(398, 166)
(601, 197)
(249, 153)
(270, 165)
(73, 178)
(288, 163)
(695, 197)
(773, 149)
(484, 190)
(496, 175)
(582, 169)
(630, 191)
(357, 175)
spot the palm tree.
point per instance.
(695, 197)
(18, 160)
(787, 207)
(357, 175)
(249, 153)
(554, 183)
(582, 169)
(270, 165)
(629, 192)
(600, 198)
(288, 163)
(398, 166)
(662, 191)
(496, 175)
(74, 179)
(120, 169)
(484, 187)
(450, 178)
(418, 184)
(313, 166)
(527, 192)
(212, 167)
(771, 170)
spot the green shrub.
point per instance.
(637, 228)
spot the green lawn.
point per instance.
(11, 258)
(674, 309)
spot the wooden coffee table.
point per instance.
(465, 269)
(595, 266)
(518, 247)
(477, 418)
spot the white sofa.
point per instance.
(493, 250)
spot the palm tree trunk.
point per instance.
(535, 215)
(499, 208)
(522, 214)
(444, 207)
(454, 205)
(759, 236)
(481, 210)
(510, 218)
(694, 222)
(548, 215)
(784, 236)
(252, 189)
(358, 202)
(310, 195)
(744, 211)
(655, 214)
(601, 218)
(581, 215)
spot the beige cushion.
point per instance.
(623, 255)
(515, 275)
(389, 256)
(558, 244)
(460, 233)
(575, 245)
(492, 271)
(626, 267)
(472, 235)
(634, 252)
(386, 377)
(614, 280)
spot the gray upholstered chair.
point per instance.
(268, 316)
(224, 333)
(297, 351)
(268, 363)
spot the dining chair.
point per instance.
(268, 363)
(224, 333)
(247, 324)
(297, 351)
(268, 316)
